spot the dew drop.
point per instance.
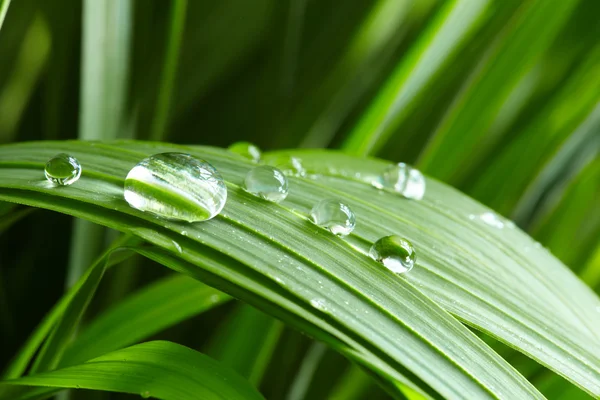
(247, 150)
(177, 246)
(63, 169)
(318, 304)
(145, 394)
(176, 186)
(395, 253)
(267, 182)
(403, 179)
(334, 216)
(492, 219)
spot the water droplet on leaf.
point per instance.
(402, 179)
(145, 394)
(337, 217)
(63, 169)
(267, 182)
(492, 219)
(395, 253)
(176, 186)
(318, 304)
(177, 246)
(247, 150)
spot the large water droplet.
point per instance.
(63, 169)
(402, 179)
(395, 253)
(267, 182)
(337, 217)
(176, 186)
(247, 150)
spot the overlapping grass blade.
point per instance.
(455, 21)
(159, 369)
(246, 342)
(363, 310)
(150, 310)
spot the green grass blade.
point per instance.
(465, 131)
(161, 370)
(454, 22)
(20, 363)
(476, 272)
(566, 115)
(10, 216)
(165, 92)
(246, 342)
(77, 301)
(4, 4)
(150, 310)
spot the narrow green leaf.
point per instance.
(246, 342)
(161, 370)
(320, 295)
(4, 4)
(10, 216)
(150, 310)
(454, 22)
(171, 59)
(52, 351)
(465, 129)
(554, 129)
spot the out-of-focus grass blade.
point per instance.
(3, 10)
(150, 310)
(454, 22)
(104, 76)
(171, 59)
(246, 342)
(590, 273)
(464, 132)
(576, 215)
(10, 215)
(19, 364)
(367, 51)
(158, 369)
(52, 351)
(23, 80)
(510, 173)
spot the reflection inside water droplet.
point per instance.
(395, 253)
(62, 170)
(403, 179)
(176, 186)
(247, 150)
(334, 216)
(267, 182)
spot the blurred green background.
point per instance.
(500, 99)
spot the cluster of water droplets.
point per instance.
(181, 187)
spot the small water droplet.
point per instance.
(403, 179)
(537, 245)
(318, 304)
(395, 253)
(63, 169)
(334, 216)
(267, 182)
(510, 224)
(145, 394)
(176, 186)
(247, 150)
(492, 219)
(297, 166)
(177, 246)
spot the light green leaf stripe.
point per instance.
(160, 370)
